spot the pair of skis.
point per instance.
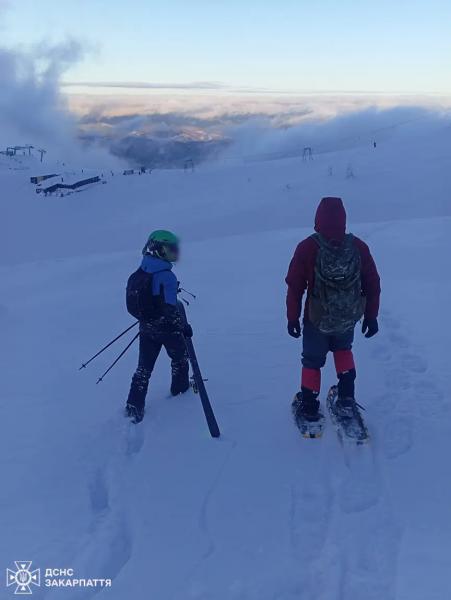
(349, 429)
(198, 382)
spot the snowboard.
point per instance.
(352, 430)
(308, 429)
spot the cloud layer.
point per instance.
(32, 109)
(253, 127)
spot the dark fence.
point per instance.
(69, 186)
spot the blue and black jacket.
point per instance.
(164, 290)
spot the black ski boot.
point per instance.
(180, 378)
(307, 416)
(306, 406)
(345, 405)
(134, 413)
(179, 386)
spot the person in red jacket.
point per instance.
(330, 224)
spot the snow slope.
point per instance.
(164, 510)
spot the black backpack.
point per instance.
(336, 302)
(141, 303)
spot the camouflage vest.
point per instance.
(336, 301)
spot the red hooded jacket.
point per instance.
(330, 222)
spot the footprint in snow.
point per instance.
(398, 380)
(399, 340)
(135, 439)
(382, 352)
(98, 492)
(383, 404)
(413, 363)
(397, 437)
(372, 554)
(360, 489)
(358, 494)
(431, 400)
(390, 323)
(309, 519)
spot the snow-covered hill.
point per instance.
(260, 514)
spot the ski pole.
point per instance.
(120, 356)
(180, 290)
(83, 366)
(187, 292)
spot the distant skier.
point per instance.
(342, 284)
(152, 298)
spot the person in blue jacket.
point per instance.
(165, 328)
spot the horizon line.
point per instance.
(218, 86)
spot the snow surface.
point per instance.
(260, 514)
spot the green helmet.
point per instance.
(163, 244)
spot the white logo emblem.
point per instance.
(23, 578)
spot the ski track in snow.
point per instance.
(110, 529)
(347, 517)
(352, 507)
(311, 510)
(203, 513)
(367, 530)
(344, 532)
(368, 549)
(203, 524)
(405, 375)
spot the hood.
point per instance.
(330, 219)
(152, 264)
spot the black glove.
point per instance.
(294, 328)
(370, 327)
(188, 331)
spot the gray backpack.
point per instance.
(336, 302)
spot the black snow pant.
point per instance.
(150, 344)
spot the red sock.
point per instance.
(344, 361)
(311, 379)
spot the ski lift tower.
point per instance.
(307, 153)
(41, 152)
(188, 165)
(28, 147)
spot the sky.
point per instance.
(381, 46)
